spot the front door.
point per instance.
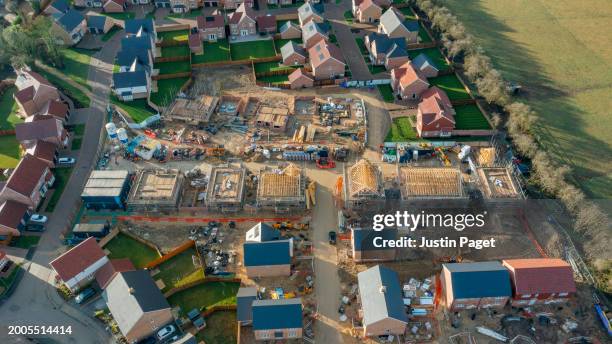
(244, 32)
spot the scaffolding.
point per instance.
(281, 189)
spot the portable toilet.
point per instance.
(111, 130)
(122, 136)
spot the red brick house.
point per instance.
(266, 24)
(290, 30)
(211, 28)
(367, 11)
(34, 92)
(13, 217)
(77, 266)
(45, 151)
(109, 270)
(115, 6)
(293, 54)
(540, 281)
(435, 115)
(407, 82)
(28, 183)
(313, 33)
(56, 109)
(242, 22)
(43, 128)
(310, 12)
(475, 285)
(390, 52)
(326, 60)
(300, 78)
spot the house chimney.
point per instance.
(132, 290)
(382, 289)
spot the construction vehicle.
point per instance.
(443, 158)
(340, 153)
(450, 259)
(323, 160)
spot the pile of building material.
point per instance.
(274, 118)
(418, 295)
(485, 157)
(304, 134)
(310, 195)
(435, 182)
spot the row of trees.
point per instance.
(21, 44)
(520, 119)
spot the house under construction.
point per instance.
(192, 111)
(498, 183)
(226, 187)
(364, 185)
(156, 190)
(274, 118)
(430, 183)
(281, 189)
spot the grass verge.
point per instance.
(62, 174)
(401, 131)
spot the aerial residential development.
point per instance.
(305, 171)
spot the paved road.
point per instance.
(35, 301)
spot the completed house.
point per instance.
(162, 3)
(114, 6)
(407, 83)
(364, 241)
(310, 12)
(69, 27)
(262, 232)
(293, 54)
(211, 28)
(28, 183)
(266, 24)
(34, 93)
(57, 7)
(540, 281)
(108, 271)
(300, 78)
(242, 22)
(56, 109)
(269, 258)
(45, 151)
(137, 304)
(232, 4)
(47, 129)
(244, 305)
(424, 66)
(290, 30)
(475, 285)
(277, 319)
(435, 115)
(326, 61)
(99, 25)
(184, 6)
(77, 266)
(13, 218)
(367, 11)
(390, 52)
(394, 24)
(313, 33)
(381, 302)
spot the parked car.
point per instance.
(84, 295)
(332, 237)
(35, 227)
(66, 161)
(37, 218)
(166, 332)
(7, 266)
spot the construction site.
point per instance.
(156, 190)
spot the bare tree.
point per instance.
(493, 88)
(476, 65)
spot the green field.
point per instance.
(9, 109)
(559, 52)
(179, 270)
(179, 36)
(401, 131)
(122, 246)
(434, 55)
(387, 93)
(469, 117)
(173, 67)
(137, 109)
(213, 52)
(10, 151)
(252, 50)
(176, 51)
(205, 295)
(167, 90)
(451, 85)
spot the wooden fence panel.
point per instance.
(184, 247)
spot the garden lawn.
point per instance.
(174, 36)
(76, 143)
(10, 151)
(9, 109)
(252, 50)
(192, 14)
(271, 67)
(423, 35)
(362, 47)
(205, 295)
(407, 12)
(26, 241)
(107, 36)
(173, 67)
(179, 270)
(7, 281)
(220, 328)
(469, 117)
(122, 246)
(401, 131)
(279, 43)
(167, 89)
(348, 17)
(387, 93)
(280, 23)
(76, 64)
(451, 85)
(274, 79)
(137, 109)
(80, 99)
(376, 69)
(79, 129)
(434, 55)
(62, 174)
(213, 52)
(175, 51)
(121, 16)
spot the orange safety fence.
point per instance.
(185, 246)
(530, 234)
(205, 219)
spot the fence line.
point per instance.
(173, 253)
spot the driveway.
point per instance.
(35, 301)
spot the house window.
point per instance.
(563, 294)
(278, 334)
(212, 37)
(264, 335)
(414, 96)
(292, 333)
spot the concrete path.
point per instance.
(35, 301)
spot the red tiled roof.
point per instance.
(40, 78)
(367, 3)
(118, 2)
(326, 51)
(26, 175)
(39, 129)
(110, 269)
(44, 150)
(435, 102)
(11, 213)
(25, 95)
(208, 22)
(56, 109)
(298, 73)
(408, 75)
(266, 22)
(240, 11)
(541, 275)
(77, 259)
